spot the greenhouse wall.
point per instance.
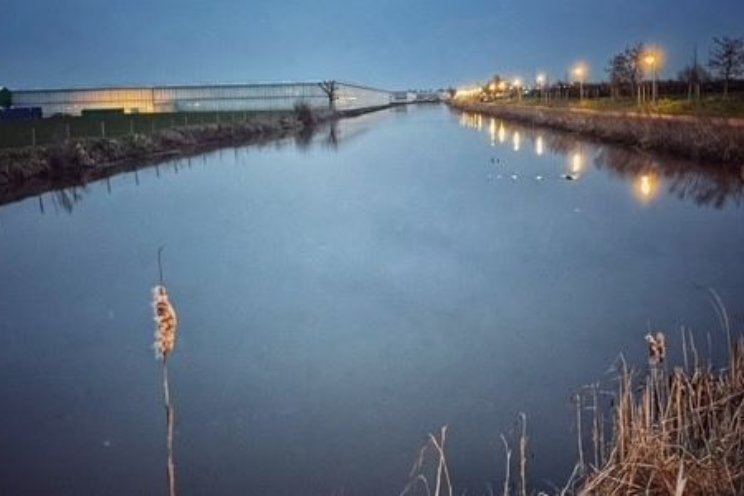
(238, 97)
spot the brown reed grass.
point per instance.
(676, 433)
(672, 433)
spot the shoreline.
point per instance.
(30, 171)
(698, 138)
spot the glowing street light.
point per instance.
(541, 79)
(652, 59)
(580, 72)
(517, 83)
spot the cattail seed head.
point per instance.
(656, 348)
(165, 321)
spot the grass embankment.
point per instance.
(31, 170)
(698, 137)
(732, 107)
(134, 141)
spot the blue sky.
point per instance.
(386, 43)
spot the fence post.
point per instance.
(185, 119)
(67, 130)
(131, 126)
(33, 137)
(103, 129)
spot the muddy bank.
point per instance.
(29, 171)
(698, 138)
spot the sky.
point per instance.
(389, 44)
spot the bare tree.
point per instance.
(625, 69)
(693, 74)
(618, 73)
(635, 70)
(727, 59)
(330, 88)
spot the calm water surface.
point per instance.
(339, 299)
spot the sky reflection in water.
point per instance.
(341, 298)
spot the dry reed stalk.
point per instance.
(442, 470)
(580, 444)
(523, 454)
(165, 342)
(417, 475)
(508, 452)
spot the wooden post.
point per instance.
(67, 130)
(103, 129)
(131, 126)
(33, 137)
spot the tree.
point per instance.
(618, 73)
(624, 69)
(727, 59)
(635, 70)
(693, 74)
(330, 88)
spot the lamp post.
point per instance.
(518, 85)
(650, 60)
(580, 73)
(540, 80)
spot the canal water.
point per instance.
(344, 295)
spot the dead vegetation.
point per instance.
(670, 432)
(678, 432)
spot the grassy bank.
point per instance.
(732, 107)
(712, 139)
(57, 129)
(29, 170)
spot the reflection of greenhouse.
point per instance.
(235, 97)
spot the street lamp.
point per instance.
(652, 60)
(580, 72)
(540, 80)
(518, 84)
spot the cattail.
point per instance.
(656, 348)
(166, 322)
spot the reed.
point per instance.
(423, 470)
(165, 343)
(678, 432)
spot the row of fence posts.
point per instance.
(102, 127)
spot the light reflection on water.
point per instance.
(341, 297)
(647, 174)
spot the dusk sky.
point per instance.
(391, 44)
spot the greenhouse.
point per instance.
(233, 97)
